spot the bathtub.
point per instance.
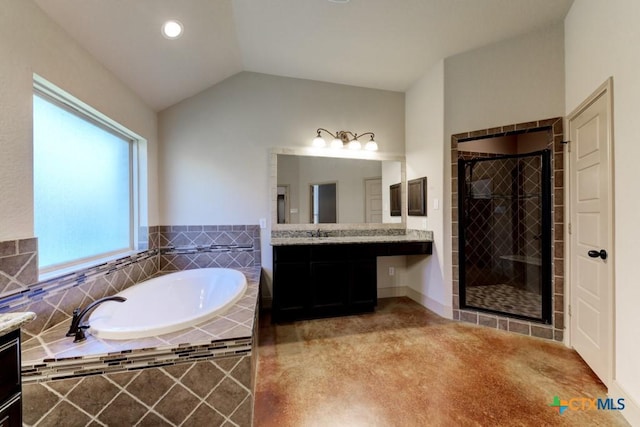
(168, 303)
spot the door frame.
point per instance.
(310, 186)
(605, 89)
(364, 184)
(287, 213)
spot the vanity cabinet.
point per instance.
(312, 281)
(10, 383)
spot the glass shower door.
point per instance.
(505, 235)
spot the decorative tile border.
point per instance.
(128, 360)
(556, 330)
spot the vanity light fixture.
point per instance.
(172, 29)
(345, 138)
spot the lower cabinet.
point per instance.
(312, 281)
(10, 384)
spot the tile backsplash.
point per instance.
(203, 246)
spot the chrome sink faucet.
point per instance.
(318, 233)
(76, 328)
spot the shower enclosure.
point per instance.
(505, 234)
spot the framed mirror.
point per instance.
(357, 195)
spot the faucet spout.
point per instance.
(76, 329)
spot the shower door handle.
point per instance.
(598, 254)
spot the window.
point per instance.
(84, 169)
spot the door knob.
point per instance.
(598, 254)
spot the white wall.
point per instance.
(601, 40)
(214, 157)
(516, 80)
(513, 81)
(429, 282)
(31, 43)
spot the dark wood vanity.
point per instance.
(10, 381)
(330, 279)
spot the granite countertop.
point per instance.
(11, 321)
(404, 238)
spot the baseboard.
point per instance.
(430, 303)
(393, 292)
(631, 411)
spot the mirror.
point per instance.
(321, 190)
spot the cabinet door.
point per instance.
(329, 287)
(290, 290)
(11, 413)
(363, 292)
(9, 365)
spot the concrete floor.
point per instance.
(405, 366)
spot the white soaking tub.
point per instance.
(168, 303)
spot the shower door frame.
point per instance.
(545, 239)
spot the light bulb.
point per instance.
(319, 142)
(172, 29)
(337, 143)
(371, 145)
(355, 145)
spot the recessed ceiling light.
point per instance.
(339, 1)
(172, 29)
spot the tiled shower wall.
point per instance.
(498, 223)
(554, 331)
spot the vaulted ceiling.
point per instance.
(378, 44)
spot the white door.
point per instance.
(373, 200)
(591, 232)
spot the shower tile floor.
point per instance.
(405, 366)
(505, 298)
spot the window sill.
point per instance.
(70, 269)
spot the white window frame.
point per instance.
(137, 174)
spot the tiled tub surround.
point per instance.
(201, 376)
(555, 331)
(53, 300)
(183, 248)
(203, 246)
